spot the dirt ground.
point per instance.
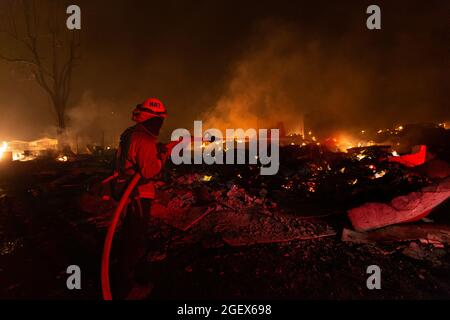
(42, 231)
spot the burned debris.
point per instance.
(376, 204)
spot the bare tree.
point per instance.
(37, 37)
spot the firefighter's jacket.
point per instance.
(138, 153)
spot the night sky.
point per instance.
(228, 62)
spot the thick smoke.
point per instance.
(287, 75)
(96, 121)
(283, 80)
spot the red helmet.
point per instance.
(153, 106)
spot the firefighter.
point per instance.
(139, 152)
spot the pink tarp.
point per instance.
(408, 208)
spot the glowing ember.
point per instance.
(62, 158)
(3, 148)
(380, 174)
(207, 178)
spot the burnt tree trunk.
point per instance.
(60, 107)
(50, 56)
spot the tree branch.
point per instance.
(17, 60)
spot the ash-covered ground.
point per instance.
(224, 232)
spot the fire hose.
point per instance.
(106, 289)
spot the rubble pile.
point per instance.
(323, 213)
(365, 182)
(243, 207)
(307, 175)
